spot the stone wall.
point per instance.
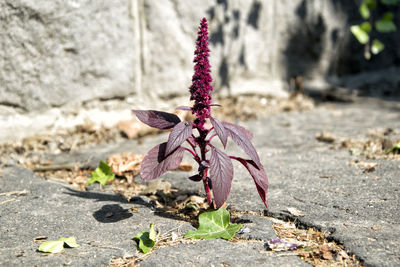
(70, 51)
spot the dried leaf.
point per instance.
(133, 128)
(325, 137)
(295, 212)
(281, 245)
(158, 185)
(185, 166)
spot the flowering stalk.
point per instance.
(200, 90)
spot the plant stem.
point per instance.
(207, 189)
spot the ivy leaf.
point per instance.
(178, 135)
(366, 7)
(221, 175)
(52, 246)
(146, 240)
(361, 35)
(366, 26)
(157, 119)
(385, 24)
(219, 130)
(102, 174)
(58, 245)
(377, 47)
(214, 224)
(155, 163)
(69, 241)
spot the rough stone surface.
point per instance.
(217, 253)
(54, 210)
(64, 51)
(358, 209)
(74, 51)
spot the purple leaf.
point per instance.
(221, 175)
(156, 162)
(219, 130)
(186, 108)
(157, 119)
(178, 135)
(259, 176)
(242, 137)
(196, 178)
(238, 129)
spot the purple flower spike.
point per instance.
(201, 88)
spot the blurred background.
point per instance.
(65, 63)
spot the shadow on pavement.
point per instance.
(111, 214)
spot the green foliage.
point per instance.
(390, 2)
(361, 35)
(377, 46)
(56, 246)
(366, 7)
(366, 26)
(146, 240)
(384, 25)
(214, 224)
(394, 149)
(101, 174)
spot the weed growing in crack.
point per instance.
(215, 166)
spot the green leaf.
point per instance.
(146, 240)
(385, 24)
(390, 2)
(361, 35)
(214, 224)
(69, 241)
(395, 148)
(101, 174)
(58, 245)
(51, 246)
(366, 7)
(366, 26)
(377, 47)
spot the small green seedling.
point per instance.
(214, 224)
(394, 149)
(146, 240)
(56, 246)
(102, 174)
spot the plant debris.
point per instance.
(311, 245)
(366, 166)
(325, 137)
(252, 106)
(379, 143)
